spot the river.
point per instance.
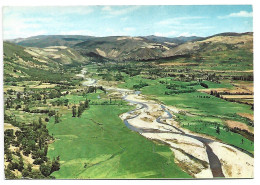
(212, 148)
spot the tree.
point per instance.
(21, 164)
(18, 106)
(9, 174)
(29, 167)
(36, 174)
(55, 164)
(26, 151)
(18, 95)
(25, 172)
(45, 150)
(66, 102)
(86, 103)
(9, 156)
(44, 99)
(74, 112)
(45, 169)
(41, 142)
(38, 161)
(80, 111)
(51, 113)
(40, 121)
(218, 130)
(13, 165)
(26, 109)
(57, 118)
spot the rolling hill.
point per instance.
(42, 41)
(22, 62)
(219, 42)
(171, 41)
(124, 48)
(115, 47)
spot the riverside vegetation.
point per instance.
(57, 127)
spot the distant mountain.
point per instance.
(42, 41)
(123, 48)
(120, 48)
(152, 47)
(222, 41)
(175, 40)
(232, 34)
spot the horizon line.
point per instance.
(124, 35)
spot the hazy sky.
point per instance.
(168, 21)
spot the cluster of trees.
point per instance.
(244, 78)
(176, 89)
(106, 102)
(93, 89)
(28, 139)
(27, 172)
(119, 77)
(50, 166)
(239, 101)
(215, 93)
(54, 93)
(41, 111)
(212, 77)
(53, 75)
(29, 97)
(57, 117)
(140, 85)
(60, 102)
(245, 133)
(204, 85)
(110, 76)
(203, 96)
(172, 86)
(81, 108)
(219, 95)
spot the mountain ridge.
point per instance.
(122, 48)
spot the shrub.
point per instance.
(204, 85)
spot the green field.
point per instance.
(93, 146)
(206, 109)
(209, 80)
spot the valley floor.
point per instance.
(199, 155)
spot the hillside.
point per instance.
(61, 54)
(151, 47)
(171, 41)
(21, 62)
(219, 42)
(121, 48)
(42, 41)
(115, 47)
(195, 96)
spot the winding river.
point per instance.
(214, 161)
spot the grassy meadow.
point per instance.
(97, 147)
